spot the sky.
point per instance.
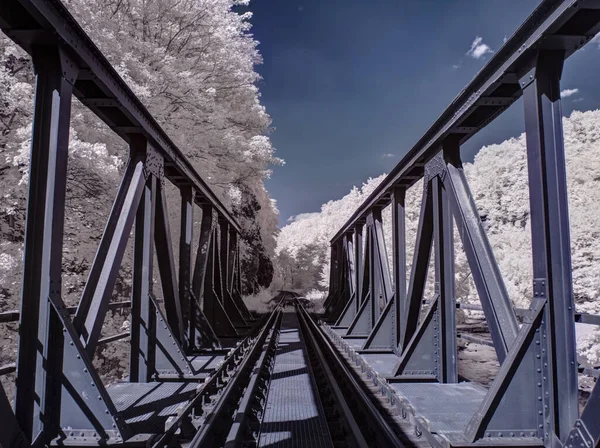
(352, 85)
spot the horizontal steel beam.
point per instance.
(114, 337)
(8, 368)
(566, 24)
(100, 88)
(13, 316)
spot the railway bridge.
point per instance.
(378, 366)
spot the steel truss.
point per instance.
(59, 395)
(534, 398)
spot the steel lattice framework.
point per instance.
(535, 394)
(170, 398)
(57, 386)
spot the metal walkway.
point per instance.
(293, 415)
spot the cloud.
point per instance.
(388, 155)
(455, 66)
(302, 216)
(479, 49)
(568, 92)
(596, 40)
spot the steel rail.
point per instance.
(213, 427)
(373, 426)
(251, 399)
(218, 379)
(355, 435)
(495, 87)
(100, 88)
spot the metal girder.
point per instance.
(186, 238)
(517, 398)
(101, 280)
(39, 356)
(381, 258)
(233, 303)
(200, 327)
(498, 79)
(166, 265)
(29, 22)
(420, 266)
(142, 363)
(587, 427)
(208, 305)
(11, 434)
(358, 264)
(421, 357)
(551, 249)
(399, 253)
(499, 313)
(443, 231)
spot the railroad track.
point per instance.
(198, 422)
(290, 388)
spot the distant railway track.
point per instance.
(231, 409)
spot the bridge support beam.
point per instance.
(551, 247)
(209, 307)
(40, 355)
(142, 363)
(186, 238)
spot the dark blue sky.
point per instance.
(351, 85)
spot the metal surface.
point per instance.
(59, 397)
(311, 385)
(559, 24)
(100, 88)
(293, 416)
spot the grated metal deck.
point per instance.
(146, 406)
(293, 414)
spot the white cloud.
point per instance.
(455, 66)
(596, 40)
(479, 49)
(302, 216)
(568, 92)
(388, 155)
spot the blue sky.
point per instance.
(351, 85)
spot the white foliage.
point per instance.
(498, 181)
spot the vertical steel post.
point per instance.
(358, 264)
(186, 237)
(444, 280)
(143, 316)
(350, 272)
(40, 332)
(381, 258)
(224, 258)
(399, 254)
(233, 248)
(551, 248)
(374, 279)
(332, 274)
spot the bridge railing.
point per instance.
(201, 304)
(386, 311)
